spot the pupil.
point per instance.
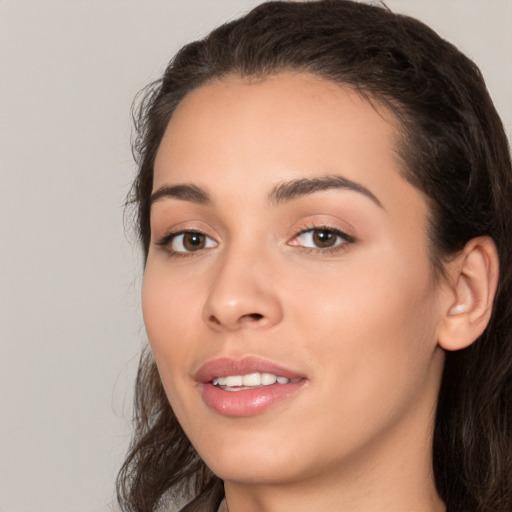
(193, 241)
(324, 238)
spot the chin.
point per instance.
(251, 458)
(260, 472)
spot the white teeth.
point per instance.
(249, 380)
(267, 379)
(234, 380)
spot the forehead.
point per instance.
(281, 127)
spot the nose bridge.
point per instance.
(242, 294)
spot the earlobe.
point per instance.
(473, 278)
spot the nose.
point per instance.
(242, 296)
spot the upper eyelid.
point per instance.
(320, 228)
(327, 227)
(325, 220)
(168, 230)
(171, 235)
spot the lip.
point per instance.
(246, 402)
(223, 367)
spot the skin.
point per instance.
(358, 320)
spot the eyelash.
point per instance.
(343, 239)
(168, 239)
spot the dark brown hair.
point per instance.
(454, 150)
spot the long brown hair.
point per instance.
(455, 151)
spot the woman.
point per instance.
(324, 203)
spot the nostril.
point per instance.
(253, 316)
(213, 320)
(233, 322)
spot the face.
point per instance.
(288, 295)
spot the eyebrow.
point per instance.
(282, 192)
(305, 186)
(184, 191)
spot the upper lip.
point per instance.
(224, 367)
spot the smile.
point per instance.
(249, 380)
(247, 387)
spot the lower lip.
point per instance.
(248, 402)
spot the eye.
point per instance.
(187, 242)
(321, 238)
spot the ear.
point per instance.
(467, 304)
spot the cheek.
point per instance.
(170, 318)
(374, 323)
(171, 312)
(371, 339)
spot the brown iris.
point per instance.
(324, 238)
(194, 241)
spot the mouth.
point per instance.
(249, 381)
(246, 387)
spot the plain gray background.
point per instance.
(70, 325)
